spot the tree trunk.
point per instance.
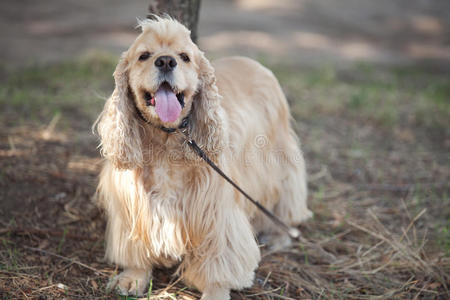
(185, 11)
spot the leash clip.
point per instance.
(185, 132)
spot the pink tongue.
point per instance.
(167, 106)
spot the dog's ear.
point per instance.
(119, 131)
(207, 114)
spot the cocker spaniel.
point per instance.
(164, 205)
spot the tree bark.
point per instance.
(185, 11)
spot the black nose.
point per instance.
(166, 63)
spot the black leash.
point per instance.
(293, 232)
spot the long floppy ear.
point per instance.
(208, 123)
(119, 131)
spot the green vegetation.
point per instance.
(76, 90)
(388, 97)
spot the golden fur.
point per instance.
(164, 205)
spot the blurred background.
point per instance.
(298, 31)
(369, 87)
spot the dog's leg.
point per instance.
(131, 282)
(226, 258)
(291, 207)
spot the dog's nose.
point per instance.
(165, 63)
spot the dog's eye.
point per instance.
(185, 57)
(144, 56)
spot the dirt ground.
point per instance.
(368, 85)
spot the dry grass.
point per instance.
(379, 192)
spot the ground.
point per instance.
(375, 135)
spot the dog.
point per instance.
(165, 206)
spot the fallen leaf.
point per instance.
(434, 285)
(94, 284)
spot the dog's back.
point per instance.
(271, 164)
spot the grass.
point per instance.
(74, 89)
(444, 237)
(386, 97)
(376, 145)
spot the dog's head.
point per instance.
(165, 77)
(163, 71)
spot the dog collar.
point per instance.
(184, 123)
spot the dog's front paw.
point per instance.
(215, 293)
(131, 282)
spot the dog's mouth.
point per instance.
(168, 104)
